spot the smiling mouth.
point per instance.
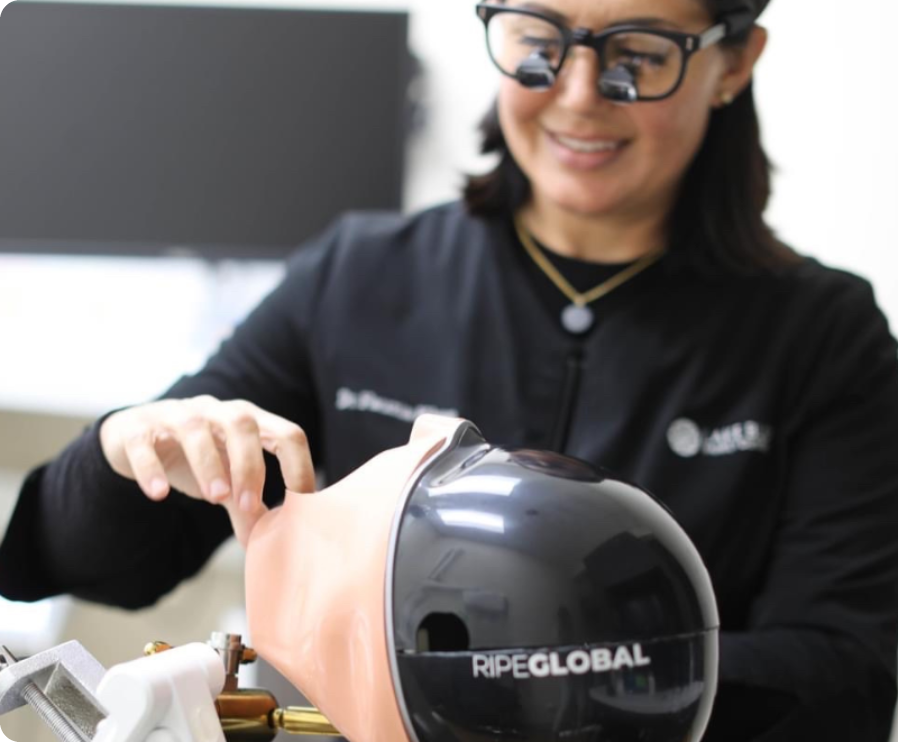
(588, 146)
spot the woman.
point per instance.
(610, 290)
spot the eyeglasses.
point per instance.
(635, 63)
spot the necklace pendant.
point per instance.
(577, 319)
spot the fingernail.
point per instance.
(158, 487)
(248, 502)
(219, 489)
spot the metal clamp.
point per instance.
(60, 684)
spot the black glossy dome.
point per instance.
(536, 598)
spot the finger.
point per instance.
(146, 468)
(244, 450)
(242, 521)
(194, 435)
(289, 443)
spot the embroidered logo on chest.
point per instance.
(688, 440)
(368, 401)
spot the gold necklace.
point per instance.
(577, 317)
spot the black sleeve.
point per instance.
(81, 529)
(817, 660)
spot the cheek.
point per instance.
(519, 113)
(672, 130)
(666, 123)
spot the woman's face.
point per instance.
(585, 154)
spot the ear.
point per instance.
(741, 63)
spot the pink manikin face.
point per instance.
(341, 587)
(316, 588)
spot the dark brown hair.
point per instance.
(718, 219)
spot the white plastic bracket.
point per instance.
(167, 697)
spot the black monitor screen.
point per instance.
(219, 131)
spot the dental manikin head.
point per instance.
(450, 590)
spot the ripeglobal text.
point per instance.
(553, 664)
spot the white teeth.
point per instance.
(580, 145)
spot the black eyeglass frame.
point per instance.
(571, 37)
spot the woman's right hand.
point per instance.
(208, 449)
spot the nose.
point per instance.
(579, 79)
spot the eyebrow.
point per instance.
(647, 21)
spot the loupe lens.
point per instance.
(619, 85)
(535, 73)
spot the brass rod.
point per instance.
(304, 721)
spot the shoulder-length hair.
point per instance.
(717, 222)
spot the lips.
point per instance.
(585, 152)
(588, 144)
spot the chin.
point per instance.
(584, 202)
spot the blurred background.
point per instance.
(157, 162)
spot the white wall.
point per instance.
(827, 92)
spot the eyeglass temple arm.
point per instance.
(712, 36)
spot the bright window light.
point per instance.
(492, 485)
(473, 519)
